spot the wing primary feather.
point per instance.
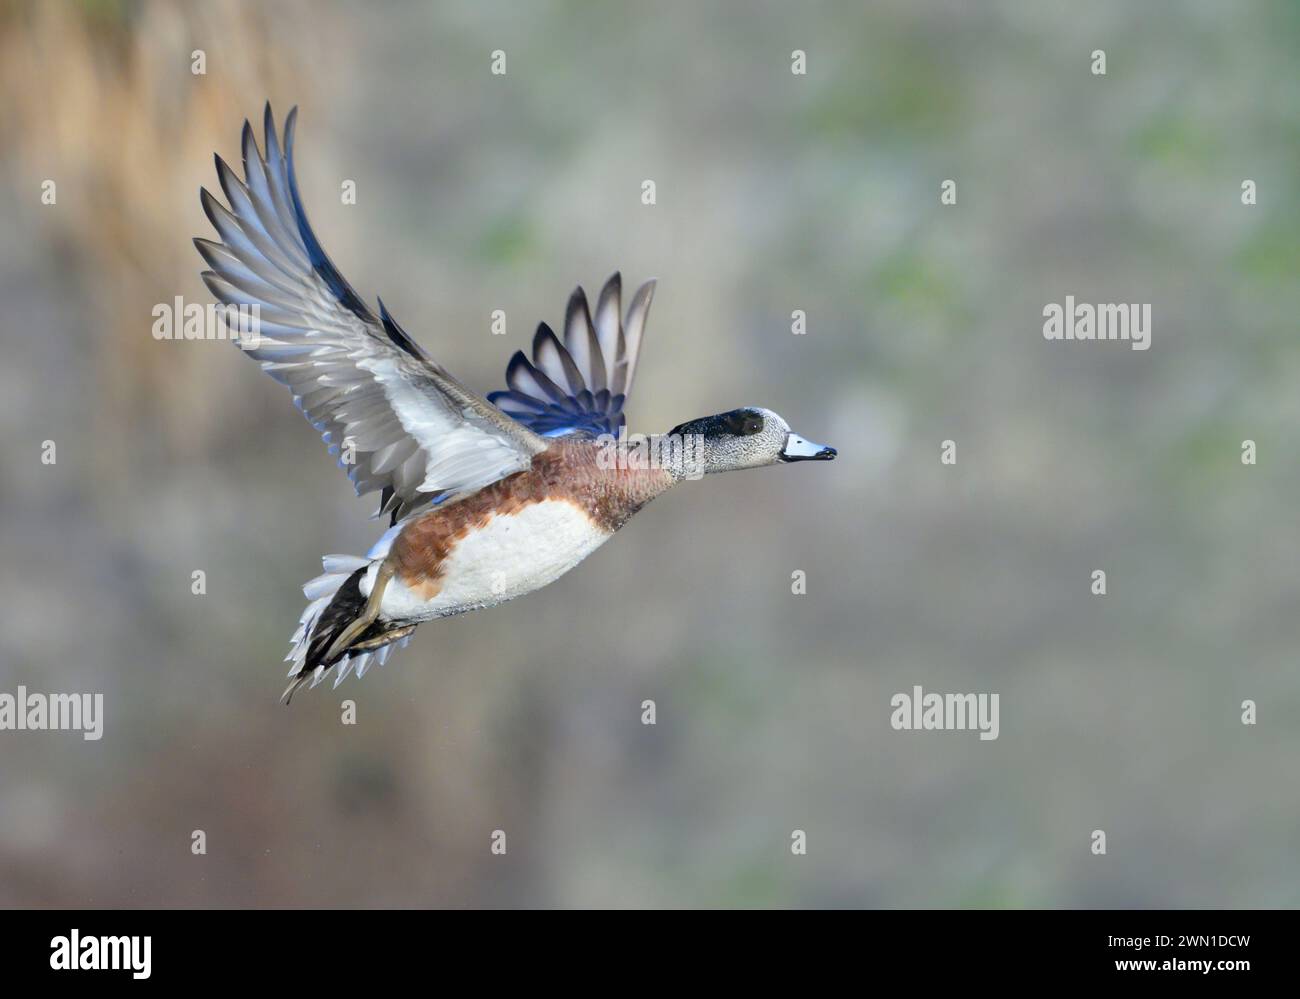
(397, 334)
(609, 325)
(551, 356)
(634, 328)
(581, 340)
(320, 260)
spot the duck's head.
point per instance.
(749, 437)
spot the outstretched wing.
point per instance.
(398, 421)
(578, 387)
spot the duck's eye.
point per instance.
(741, 424)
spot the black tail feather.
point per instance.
(346, 607)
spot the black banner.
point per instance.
(1227, 949)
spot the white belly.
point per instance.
(512, 554)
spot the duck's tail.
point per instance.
(341, 627)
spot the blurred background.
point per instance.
(775, 192)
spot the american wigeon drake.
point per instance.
(487, 499)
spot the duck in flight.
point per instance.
(487, 498)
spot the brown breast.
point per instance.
(567, 471)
